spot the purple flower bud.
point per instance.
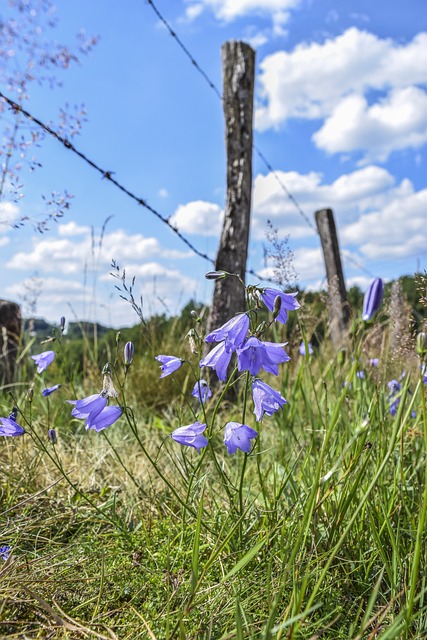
(372, 299)
(62, 323)
(43, 360)
(128, 353)
(374, 362)
(51, 434)
(302, 351)
(49, 390)
(216, 275)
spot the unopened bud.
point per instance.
(128, 353)
(118, 337)
(51, 434)
(62, 323)
(13, 414)
(342, 355)
(216, 275)
(195, 315)
(421, 344)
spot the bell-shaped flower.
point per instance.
(9, 426)
(201, 391)
(218, 359)
(233, 332)
(266, 399)
(103, 419)
(256, 355)
(191, 435)
(93, 404)
(43, 360)
(49, 390)
(372, 298)
(169, 364)
(238, 436)
(4, 551)
(288, 302)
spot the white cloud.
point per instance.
(199, 218)
(4, 240)
(9, 212)
(399, 229)
(311, 80)
(230, 10)
(69, 256)
(348, 195)
(396, 122)
(72, 229)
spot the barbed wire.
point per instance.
(258, 151)
(107, 174)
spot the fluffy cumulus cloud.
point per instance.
(74, 275)
(367, 88)
(348, 195)
(398, 121)
(375, 216)
(76, 250)
(230, 10)
(198, 217)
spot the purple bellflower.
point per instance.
(238, 436)
(201, 391)
(288, 302)
(302, 349)
(49, 390)
(169, 364)
(4, 551)
(232, 332)
(266, 399)
(374, 362)
(218, 359)
(43, 360)
(191, 435)
(372, 298)
(51, 434)
(256, 355)
(94, 410)
(9, 426)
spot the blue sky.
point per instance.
(340, 114)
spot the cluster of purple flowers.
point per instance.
(253, 355)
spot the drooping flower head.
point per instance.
(238, 436)
(256, 355)
(266, 399)
(201, 391)
(218, 359)
(43, 360)
(9, 427)
(49, 390)
(288, 302)
(191, 435)
(372, 299)
(104, 418)
(233, 332)
(94, 410)
(169, 364)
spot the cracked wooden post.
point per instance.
(10, 335)
(339, 308)
(238, 61)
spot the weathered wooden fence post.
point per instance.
(238, 61)
(339, 309)
(10, 335)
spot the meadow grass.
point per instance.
(318, 533)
